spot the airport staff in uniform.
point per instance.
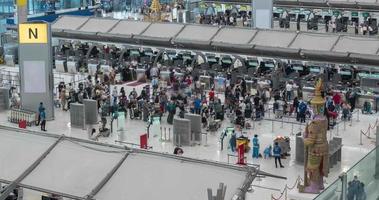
(277, 151)
(42, 115)
(255, 146)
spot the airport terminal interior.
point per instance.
(189, 100)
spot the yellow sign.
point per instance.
(21, 2)
(32, 33)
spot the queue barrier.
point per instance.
(18, 115)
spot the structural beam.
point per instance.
(5, 193)
(91, 195)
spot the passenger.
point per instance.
(233, 142)
(302, 111)
(277, 152)
(267, 152)
(178, 151)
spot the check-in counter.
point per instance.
(178, 75)
(72, 66)
(165, 76)
(206, 81)
(308, 93)
(92, 68)
(105, 68)
(10, 60)
(61, 65)
(141, 74)
(219, 83)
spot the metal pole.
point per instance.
(253, 124)
(344, 186)
(169, 134)
(351, 121)
(292, 129)
(344, 125)
(282, 123)
(338, 128)
(377, 154)
(360, 138)
(272, 126)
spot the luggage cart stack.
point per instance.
(18, 115)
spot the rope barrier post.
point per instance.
(338, 129)
(344, 125)
(351, 121)
(282, 123)
(360, 138)
(369, 130)
(344, 186)
(161, 133)
(285, 194)
(292, 129)
(268, 110)
(169, 134)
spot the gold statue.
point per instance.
(155, 11)
(316, 148)
(317, 101)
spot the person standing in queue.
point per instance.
(277, 151)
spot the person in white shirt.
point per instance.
(289, 91)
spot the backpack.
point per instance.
(302, 107)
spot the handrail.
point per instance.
(367, 133)
(286, 188)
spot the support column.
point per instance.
(262, 13)
(377, 154)
(36, 67)
(22, 12)
(343, 178)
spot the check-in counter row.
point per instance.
(308, 93)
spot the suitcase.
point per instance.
(22, 124)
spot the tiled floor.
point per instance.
(352, 151)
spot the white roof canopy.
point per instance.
(80, 169)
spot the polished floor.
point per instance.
(263, 188)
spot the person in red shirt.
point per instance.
(211, 95)
(337, 100)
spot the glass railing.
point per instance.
(360, 182)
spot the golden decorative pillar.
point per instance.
(317, 102)
(316, 148)
(155, 11)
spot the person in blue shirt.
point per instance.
(42, 115)
(267, 152)
(255, 146)
(233, 141)
(40, 107)
(302, 110)
(277, 151)
(197, 105)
